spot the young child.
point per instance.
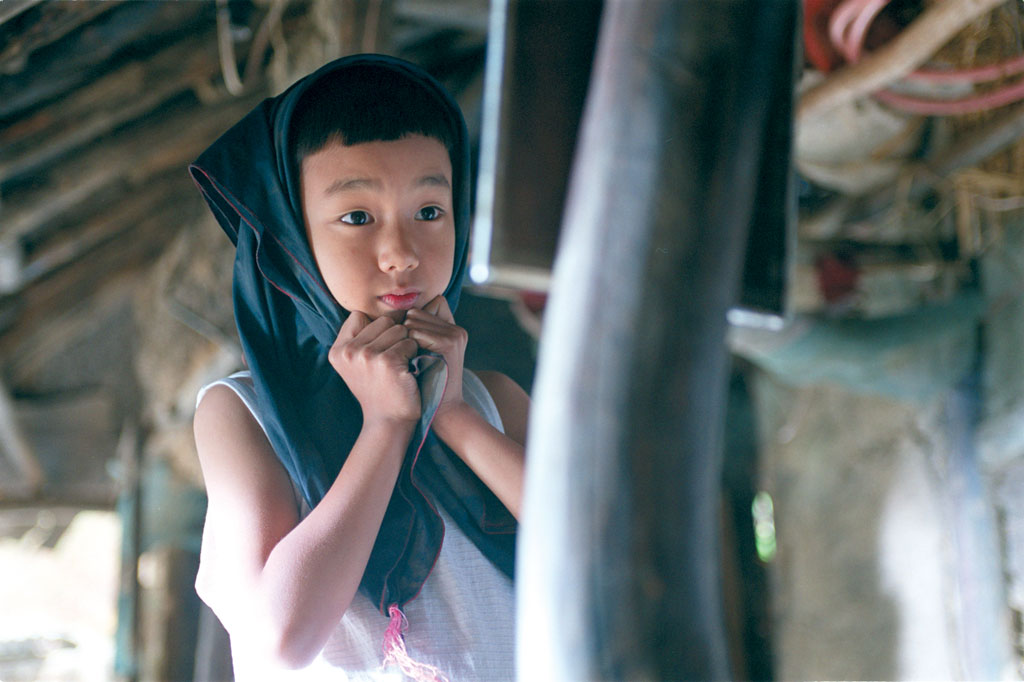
(362, 485)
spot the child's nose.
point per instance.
(397, 252)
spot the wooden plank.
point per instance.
(168, 140)
(58, 68)
(99, 107)
(32, 367)
(46, 25)
(71, 287)
(77, 241)
(12, 8)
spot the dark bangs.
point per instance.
(366, 103)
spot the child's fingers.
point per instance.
(351, 327)
(387, 338)
(437, 336)
(438, 307)
(374, 329)
(406, 349)
(434, 304)
(429, 342)
(433, 334)
(420, 319)
(444, 312)
(424, 338)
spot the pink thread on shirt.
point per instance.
(395, 652)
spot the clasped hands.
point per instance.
(373, 359)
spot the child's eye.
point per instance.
(356, 218)
(429, 213)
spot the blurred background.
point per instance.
(873, 520)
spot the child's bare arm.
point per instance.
(512, 402)
(280, 585)
(496, 457)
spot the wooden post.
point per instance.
(619, 558)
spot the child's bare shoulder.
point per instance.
(222, 417)
(500, 384)
(239, 465)
(512, 402)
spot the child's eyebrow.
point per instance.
(437, 180)
(349, 184)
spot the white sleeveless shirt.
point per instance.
(462, 622)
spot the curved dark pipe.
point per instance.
(618, 558)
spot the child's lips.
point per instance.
(400, 300)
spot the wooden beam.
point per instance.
(51, 23)
(12, 8)
(129, 254)
(77, 241)
(60, 67)
(96, 109)
(105, 171)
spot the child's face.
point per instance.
(379, 220)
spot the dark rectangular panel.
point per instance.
(538, 69)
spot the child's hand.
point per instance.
(497, 458)
(434, 329)
(373, 359)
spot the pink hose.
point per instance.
(977, 74)
(954, 107)
(847, 29)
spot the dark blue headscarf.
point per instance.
(287, 321)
